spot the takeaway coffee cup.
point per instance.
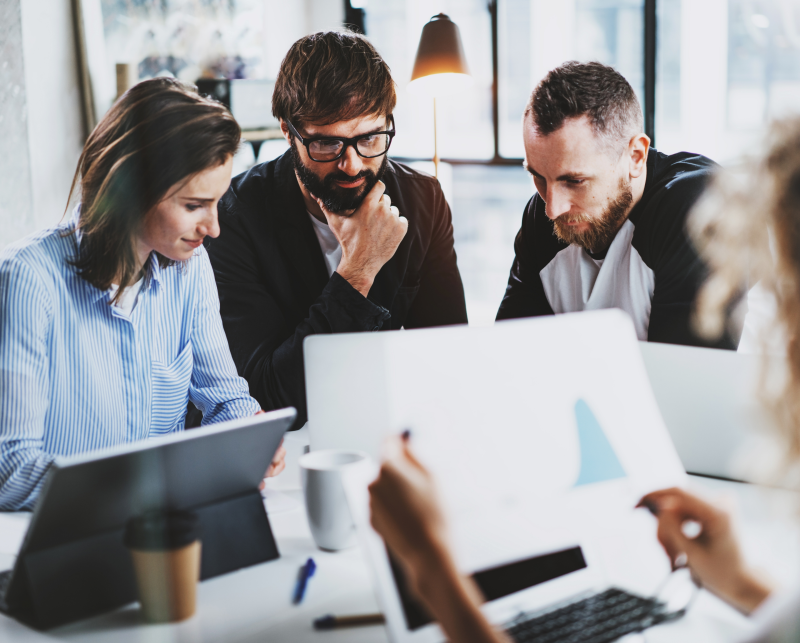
(165, 550)
(326, 505)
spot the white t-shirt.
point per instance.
(130, 296)
(331, 249)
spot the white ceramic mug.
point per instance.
(326, 505)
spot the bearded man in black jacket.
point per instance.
(607, 226)
(333, 236)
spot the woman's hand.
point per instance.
(405, 510)
(278, 462)
(277, 465)
(712, 554)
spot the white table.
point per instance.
(254, 604)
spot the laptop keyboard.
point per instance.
(600, 618)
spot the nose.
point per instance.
(350, 162)
(557, 202)
(209, 225)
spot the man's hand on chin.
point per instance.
(369, 237)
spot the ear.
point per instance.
(638, 148)
(285, 131)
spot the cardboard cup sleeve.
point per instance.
(165, 551)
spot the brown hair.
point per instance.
(576, 89)
(332, 76)
(159, 133)
(747, 226)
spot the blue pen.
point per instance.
(306, 572)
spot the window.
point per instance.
(534, 36)
(465, 119)
(725, 69)
(487, 203)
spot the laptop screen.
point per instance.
(496, 582)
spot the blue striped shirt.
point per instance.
(77, 374)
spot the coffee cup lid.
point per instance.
(157, 530)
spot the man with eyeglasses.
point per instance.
(333, 236)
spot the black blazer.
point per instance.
(274, 287)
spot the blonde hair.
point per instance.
(747, 227)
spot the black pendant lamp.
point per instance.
(440, 67)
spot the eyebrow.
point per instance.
(372, 131)
(196, 198)
(569, 176)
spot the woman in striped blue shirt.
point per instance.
(109, 323)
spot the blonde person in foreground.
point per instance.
(742, 214)
(109, 322)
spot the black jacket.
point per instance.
(274, 287)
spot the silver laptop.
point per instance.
(707, 398)
(542, 435)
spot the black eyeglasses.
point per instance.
(324, 149)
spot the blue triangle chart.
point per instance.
(598, 460)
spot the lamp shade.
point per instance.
(441, 54)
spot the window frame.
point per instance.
(649, 35)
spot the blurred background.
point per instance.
(710, 74)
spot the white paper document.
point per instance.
(536, 431)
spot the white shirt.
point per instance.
(574, 281)
(130, 295)
(331, 249)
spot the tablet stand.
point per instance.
(86, 577)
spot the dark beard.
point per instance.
(335, 199)
(601, 231)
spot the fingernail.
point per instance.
(651, 506)
(406, 435)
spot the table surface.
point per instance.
(254, 604)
